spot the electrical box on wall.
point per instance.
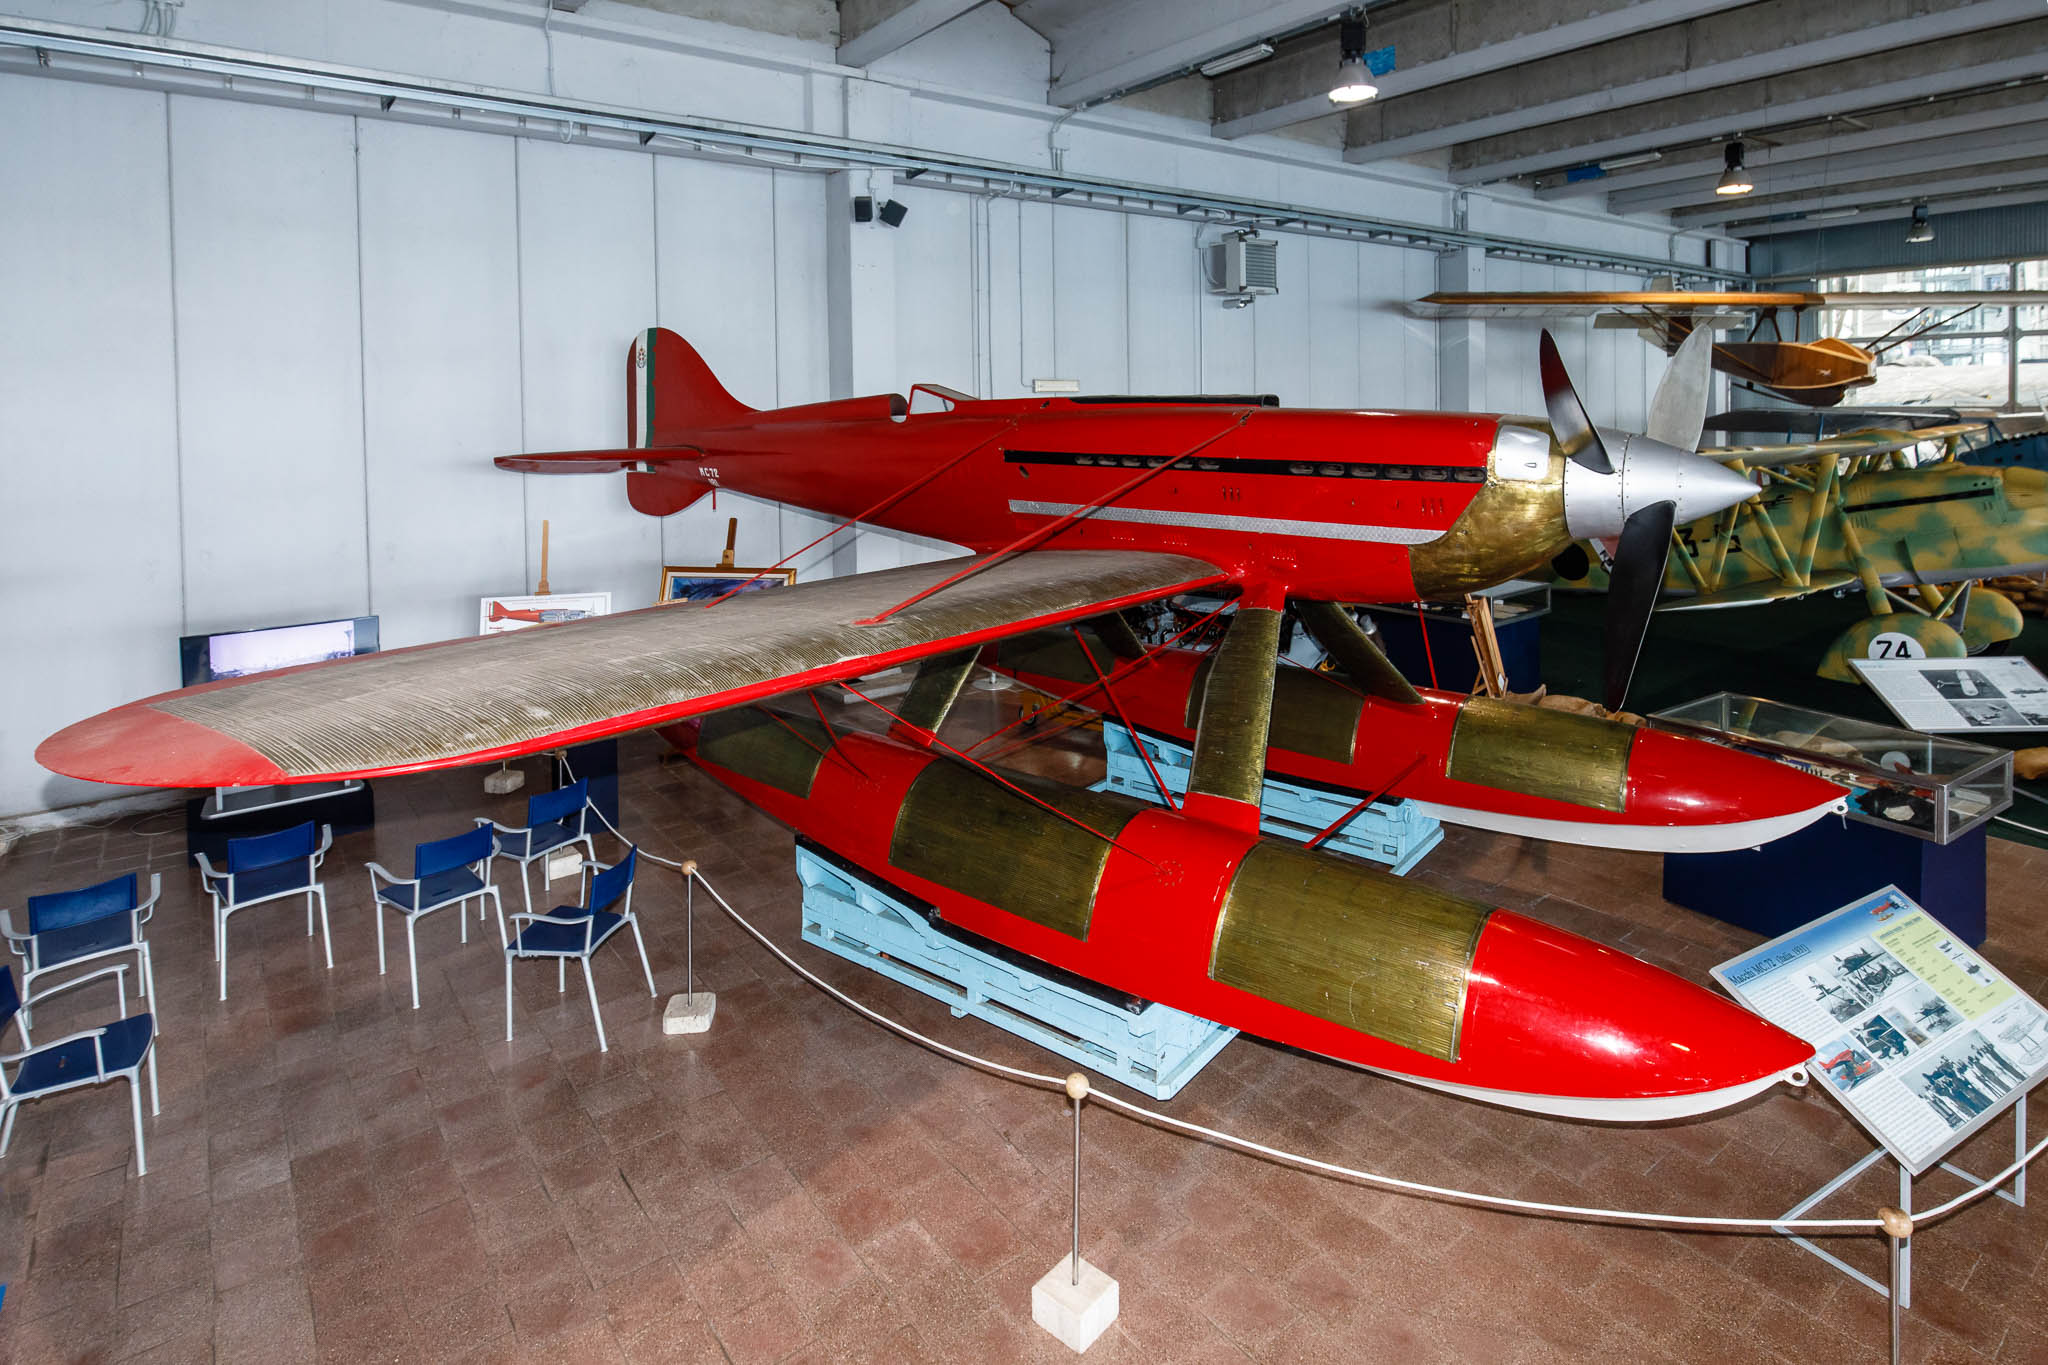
(1244, 265)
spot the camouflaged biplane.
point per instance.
(1857, 511)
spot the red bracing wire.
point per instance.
(1030, 538)
(991, 772)
(1117, 674)
(848, 758)
(903, 492)
(1137, 735)
(1385, 787)
(1422, 620)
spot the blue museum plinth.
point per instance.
(1774, 889)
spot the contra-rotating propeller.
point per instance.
(1657, 479)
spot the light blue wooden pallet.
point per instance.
(1154, 1049)
(1392, 833)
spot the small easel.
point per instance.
(543, 590)
(1493, 674)
(732, 536)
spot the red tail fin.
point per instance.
(670, 392)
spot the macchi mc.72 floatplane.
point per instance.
(1076, 508)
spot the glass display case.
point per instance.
(1932, 786)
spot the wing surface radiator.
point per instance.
(499, 696)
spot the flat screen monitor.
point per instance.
(238, 653)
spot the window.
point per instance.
(1986, 356)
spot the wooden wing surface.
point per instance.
(500, 696)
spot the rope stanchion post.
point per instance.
(1898, 1229)
(1077, 1091)
(691, 1011)
(1075, 1301)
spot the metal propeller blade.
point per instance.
(1679, 411)
(1574, 431)
(1633, 585)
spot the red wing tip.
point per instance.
(139, 746)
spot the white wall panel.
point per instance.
(1396, 353)
(1090, 342)
(1229, 345)
(1280, 327)
(935, 309)
(803, 368)
(586, 262)
(269, 378)
(88, 450)
(1335, 322)
(440, 276)
(716, 286)
(1163, 304)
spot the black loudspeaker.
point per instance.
(893, 212)
(864, 208)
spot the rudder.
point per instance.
(671, 392)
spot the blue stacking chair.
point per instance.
(265, 868)
(93, 1056)
(570, 931)
(554, 820)
(445, 872)
(71, 928)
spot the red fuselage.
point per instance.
(1317, 504)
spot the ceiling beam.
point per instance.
(1134, 42)
(1433, 45)
(870, 30)
(1894, 212)
(1927, 72)
(2032, 171)
(1749, 45)
(1915, 123)
(1820, 170)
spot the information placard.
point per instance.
(1922, 1040)
(1997, 692)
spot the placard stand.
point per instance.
(1904, 1271)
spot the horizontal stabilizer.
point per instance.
(1756, 594)
(597, 461)
(500, 696)
(657, 483)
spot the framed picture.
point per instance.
(497, 615)
(683, 583)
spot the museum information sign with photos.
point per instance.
(1991, 693)
(1923, 1041)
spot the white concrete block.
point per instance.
(1075, 1313)
(689, 1013)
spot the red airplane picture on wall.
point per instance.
(1074, 509)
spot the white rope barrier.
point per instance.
(1474, 1198)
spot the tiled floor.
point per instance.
(336, 1176)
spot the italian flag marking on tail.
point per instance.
(643, 390)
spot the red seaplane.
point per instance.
(1077, 508)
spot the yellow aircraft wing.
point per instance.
(1870, 441)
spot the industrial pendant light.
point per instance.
(1734, 180)
(1919, 232)
(1354, 81)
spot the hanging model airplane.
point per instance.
(1817, 373)
(1075, 508)
(1843, 512)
